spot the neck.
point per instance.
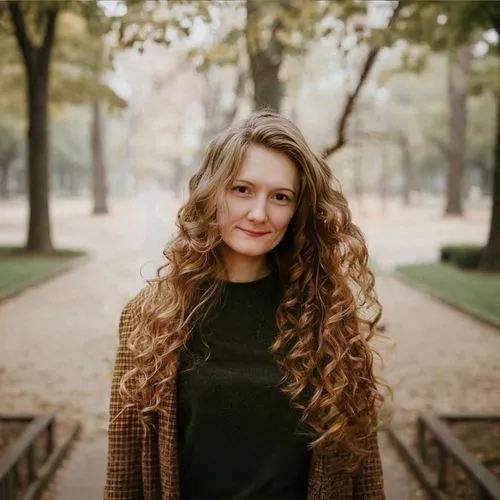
(242, 268)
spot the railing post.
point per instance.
(481, 493)
(16, 476)
(31, 463)
(50, 438)
(442, 466)
(7, 487)
(422, 445)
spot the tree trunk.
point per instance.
(99, 187)
(6, 169)
(356, 161)
(265, 61)
(59, 175)
(382, 184)
(37, 66)
(294, 88)
(4, 180)
(485, 178)
(99, 182)
(20, 182)
(459, 66)
(407, 170)
(73, 183)
(491, 255)
(39, 233)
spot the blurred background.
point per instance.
(105, 110)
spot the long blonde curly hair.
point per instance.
(327, 315)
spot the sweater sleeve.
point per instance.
(368, 482)
(124, 471)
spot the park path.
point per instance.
(441, 359)
(59, 339)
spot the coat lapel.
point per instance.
(315, 477)
(167, 443)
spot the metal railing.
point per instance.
(22, 458)
(447, 457)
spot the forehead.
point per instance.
(266, 166)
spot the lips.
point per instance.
(252, 234)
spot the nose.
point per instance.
(258, 211)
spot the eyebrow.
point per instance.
(275, 189)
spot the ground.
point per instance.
(59, 339)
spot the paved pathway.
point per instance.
(58, 340)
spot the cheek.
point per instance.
(234, 211)
(237, 209)
(282, 219)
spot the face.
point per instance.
(260, 204)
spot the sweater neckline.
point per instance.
(249, 284)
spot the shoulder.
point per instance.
(132, 313)
(146, 294)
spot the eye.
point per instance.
(240, 189)
(282, 197)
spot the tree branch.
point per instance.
(349, 105)
(48, 39)
(23, 40)
(352, 98)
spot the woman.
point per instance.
(244, 370)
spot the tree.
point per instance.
(272, 31)
(36, 48)
(478, 17)
(96, 28)
(406, 164)
(377, 38)
(36, 57)
(33, 26)
(80, 63)
(465, 23)
(481, 141)
(458, 73)
(70, 159)
(288, 28)
(491, 254)
(430, 27)
(265, 60)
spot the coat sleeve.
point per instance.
(368, 481)
(124, 468)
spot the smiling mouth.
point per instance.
(253, 234)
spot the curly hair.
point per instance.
(328, 313)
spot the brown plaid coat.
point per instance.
(145, 466)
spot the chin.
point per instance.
(250, 252)
(248, 249)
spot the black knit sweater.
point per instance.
(238, 435)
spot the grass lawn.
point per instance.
(477, 293)
(19, 270)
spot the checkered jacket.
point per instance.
(144, 466)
